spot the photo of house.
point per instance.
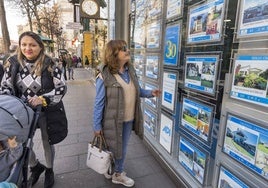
(251, 77)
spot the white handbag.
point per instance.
(98, 158)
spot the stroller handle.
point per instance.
(35, 120)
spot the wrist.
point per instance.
(152, 93)
(44, 102)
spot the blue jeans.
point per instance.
(119, 163)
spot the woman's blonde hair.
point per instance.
(38, 64)
(111, 54)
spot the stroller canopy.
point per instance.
(15, 117)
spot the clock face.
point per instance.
(90, 7)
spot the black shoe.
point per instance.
(73, 78)
(37, 170)
(49, 178)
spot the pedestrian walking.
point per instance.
(75, 61)
(63, 63)
(86, 62)
(79, 64)
(32, 76)
(70, 66)
(117, 105)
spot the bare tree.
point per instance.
(5, 33)
(49, 20)
(31, 9)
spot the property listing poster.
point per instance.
(152, 65)
(247, 143)
(253, 18)
(201, 73)
(171, 46)
(227, 179)
(150, 121)
(153, 100)
(205, 22)
(166, 127)
(153, 35)
(169, 90)
(174, 8)
(139, 37)
(250, 78)
(139, 64)
(140, 81)
(154, 8)
(196, 117)
(192, 159)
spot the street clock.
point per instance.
(90, 9)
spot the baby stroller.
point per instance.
(18, 119)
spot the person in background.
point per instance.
(86, 62)
(12, 50)
(64, 70)
(60, 63)
(79, 62)
(70, 66)
(75, 61)
(32, 76)
(117, 105)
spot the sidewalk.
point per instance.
(70, 160)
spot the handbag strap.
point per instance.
(100, 142)
(104, 141)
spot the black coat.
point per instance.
(57, 124)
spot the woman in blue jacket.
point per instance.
(117, 105)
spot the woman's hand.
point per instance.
(35, 101)
(97, 133)
(156, 92)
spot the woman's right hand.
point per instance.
(97, 133)
(34, 101)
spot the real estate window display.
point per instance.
(210, 33)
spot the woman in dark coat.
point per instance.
(32, 76)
